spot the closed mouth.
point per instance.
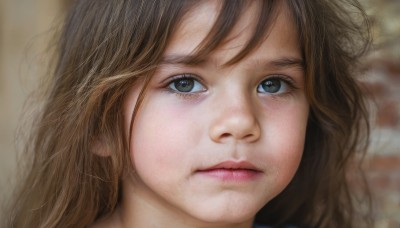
(232, 171)
(232, 165)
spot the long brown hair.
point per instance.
(105, 47)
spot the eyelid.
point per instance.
(182, 76)
(167, 82)
(289, 82)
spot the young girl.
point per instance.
(179, 113)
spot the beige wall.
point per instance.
(24, 32)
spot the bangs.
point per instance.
(230, 13)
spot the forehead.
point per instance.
(280, 36)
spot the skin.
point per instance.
(226, 117)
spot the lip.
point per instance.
(231, 171)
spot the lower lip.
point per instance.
(231, 174)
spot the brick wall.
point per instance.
(384, 157)
(383, 81)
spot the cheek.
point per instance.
(163, 136)
(285, 137)
(153, 142)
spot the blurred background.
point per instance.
(26, 28)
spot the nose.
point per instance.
(236, 120)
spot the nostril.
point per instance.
(225, 135)
(236, 136)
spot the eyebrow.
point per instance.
(286, 62)
(181, 59)
(278, 63)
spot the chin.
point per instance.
(224, 215)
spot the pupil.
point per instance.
(184, 85)
(272, 85)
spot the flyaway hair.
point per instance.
(107, 46)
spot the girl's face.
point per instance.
(212, 144)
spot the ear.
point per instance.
(99, 147)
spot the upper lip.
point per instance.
(233, 165)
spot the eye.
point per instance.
(186, 84)
(273, 85)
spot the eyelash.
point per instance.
(282, 78)
(289, 82)
(176, 78)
